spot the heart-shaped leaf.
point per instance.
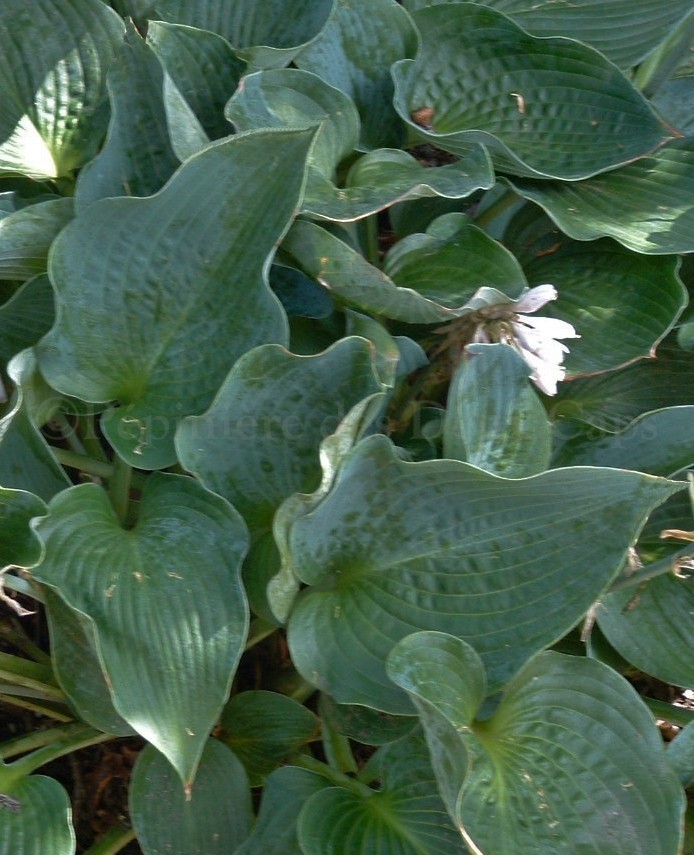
(570, 761)
(625, 31)
(481, 78)
(354, 52)
(651, 627)
(263, 728)
(508, 565)
(78, 39)
(646, 205)
(140, 305)
(169, 612)
(284, 794)
(406, 816)
(212, 819)
(35, 816)
(267, 35)
(203, 67)
(494, 418)
(27, 235)
(26, 460)
(137, 158)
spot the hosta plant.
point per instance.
(348, 414)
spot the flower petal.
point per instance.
(545, 375)
(544, 347)
(550, 327)
(535, 298)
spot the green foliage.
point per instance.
(286, 293)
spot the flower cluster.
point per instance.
(534, 338)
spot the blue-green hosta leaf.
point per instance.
(508, 565)
(362, 724)
(625, 31)
(258, 443)
(545, 107)
(675, 101)
(647, 205)
(263, 729)
(76, 665)
(350, 277)
(660, 443)
(18, 543)
(53, 114)
(26, 460)
(406, 816)
(169, 611)
(354, 52)
(494, 418)
(387, 176)
(203, 67)
(611, 401)
(652, 627)
(291, 98)
(571, 760)
(213, 818)
(284, 794)
(27, 235)
(451, 261)
(155, 291)
(621, 303)
(35, 816)
(137, 158)
(26, 316)
(268, 35)
(680, 753)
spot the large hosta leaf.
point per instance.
(494, 418)
(26, 460)
(166, 600)
(52, 114)
(570, 762)
(547, 107)
(151, 290)
(36, 817)
(508, 565)
(268, 34)
(652, 627)
(137, 158)
(623, 30)
(646, 205)
(405, 817)
(213, 819)
(354, 52)
(18, 543)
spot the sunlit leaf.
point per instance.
(35, 816)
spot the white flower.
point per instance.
(534, 338)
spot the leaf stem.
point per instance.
(39, 739)
(496, 209)
(660, 65)
(368, 232)
(259, 630)
(18, 671)
(112, 842)
(651, 571)
(338, 750)
(332, 775)
(119, 488)
(82, 738)
(48, 709)
(83, 463)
